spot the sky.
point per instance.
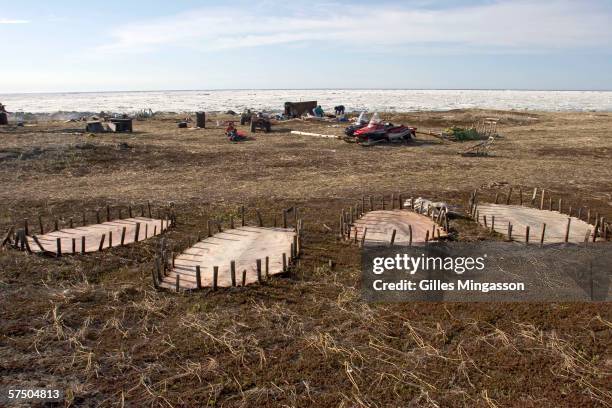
(77, 46)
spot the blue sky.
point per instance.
(152, 45)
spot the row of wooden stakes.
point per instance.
(160, 213)
(544, 204)
(21, 240)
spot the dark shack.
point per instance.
(296, 109)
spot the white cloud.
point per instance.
(502, 26)
(12, 21)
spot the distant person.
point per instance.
(318, 111)
(339, 110)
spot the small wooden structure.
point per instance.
(297, 109)
(201, 120)
(122, 124)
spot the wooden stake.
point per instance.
(83, 244)
(25, 226)
(178, 282)
(267, 271)
(244, 277)
(40, 224)
(198, 277)
(410, 235)
(56, 225)
(102, 242)
(149, 208)
(560, 205)
(74, 245)
(567, 230)
(26, 242)
(215, 276)
(371, 203)
(258, 270)
(242, 221)
(535, 194)
(427, 236)
(542, 200)
(363, 237)
(550, 203)
(492, 223)
(233, 272)
(259, 219)
(496, 197)
(520, 195)
(543, 232)
(35, 238)
(58, 243)
(108, 217)
(527, 234)
(137, 232)
(509, 196)
(383, 202)
(393, 201)
(123, 235)
(392, 238)
(97, 216)
(509, 231)
(231, 222)
(284, 262)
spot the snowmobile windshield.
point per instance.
(375, 120)
(363, 118)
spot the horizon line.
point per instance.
(308, 89)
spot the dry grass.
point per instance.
(94, 327)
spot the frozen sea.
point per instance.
(272, 100)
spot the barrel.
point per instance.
(201, 119)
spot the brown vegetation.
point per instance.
(93, 326)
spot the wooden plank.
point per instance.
(233, 250)
(410, 227)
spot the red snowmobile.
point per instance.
(377, 132)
